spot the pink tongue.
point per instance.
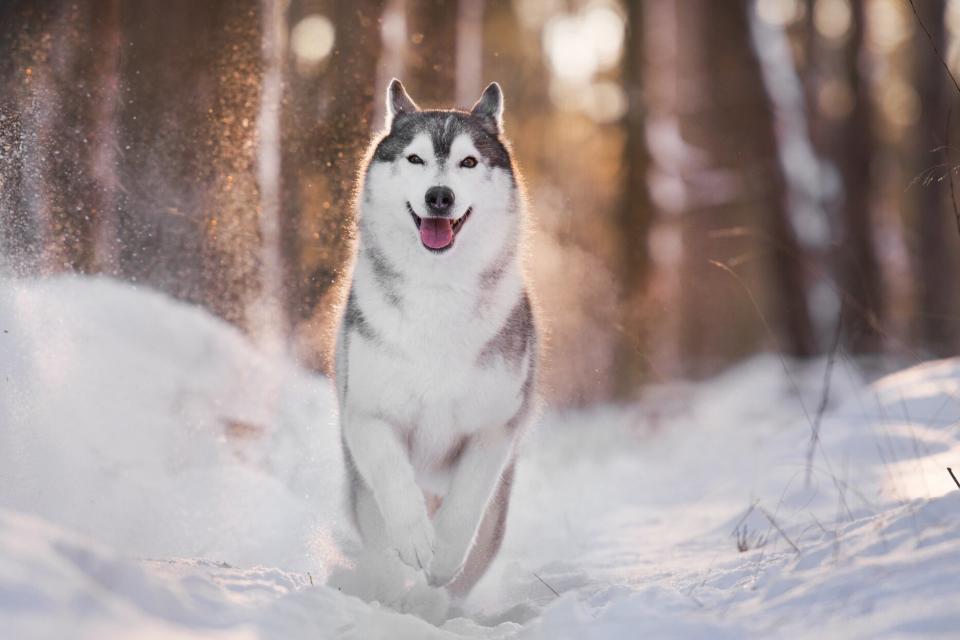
(436, 233)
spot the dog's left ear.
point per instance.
(489, 108)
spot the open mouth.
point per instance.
(437, 234)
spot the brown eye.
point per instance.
(414, 159)
(469, 162)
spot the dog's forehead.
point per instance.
(462, 144)
(443, 131)
(421, 145)
(443, 128)
(436, 148)
(440, 128)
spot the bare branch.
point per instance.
(779, 530)
(824, 393)
(555, 592)
(933, 44)
(953, 189)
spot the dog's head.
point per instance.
(442, 181)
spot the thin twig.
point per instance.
(555, 592)
(946, 149)
(933, 44)
(779, 530)
(770, 332)
(783, 363)
(957, 482)
(824, 393)
(744, 518)
(953, 189)
(743, 542)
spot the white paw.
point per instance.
(447, 563)
(412, 539)
(374, 576)
(427, 602)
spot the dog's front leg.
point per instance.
(383, 464)
(474, 481)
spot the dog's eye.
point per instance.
(414, 159)
(469, 162)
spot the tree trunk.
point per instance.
(102, 158)
(469, 57)
(858, 270)
(327, 121)
(393, 29)
(634, 216)
(21, 230)
(737, 208)
(300, 166)
(189, 82)
(432, 52)
(61, 99)
(936, 232)
(268, 312)
(801, 203)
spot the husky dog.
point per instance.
(436, 352)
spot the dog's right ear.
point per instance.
(489, 108)
(398, 101)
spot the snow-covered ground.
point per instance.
(161, 478)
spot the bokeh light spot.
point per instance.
(832, 18)
(582, 44)
(779, 12)
(312, 39)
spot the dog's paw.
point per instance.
(447, 563)
(426, 602)
(375, 576)
(412, 539)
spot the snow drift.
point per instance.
(159, 477)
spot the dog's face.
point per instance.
(441, 182)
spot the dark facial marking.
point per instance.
(443, 127)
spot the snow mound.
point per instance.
(159, 430)
(160, 477)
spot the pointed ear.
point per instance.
(398, 101)
(489, 108)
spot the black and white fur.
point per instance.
(436, 352)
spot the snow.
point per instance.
(161, 477)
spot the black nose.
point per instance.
(440, 200)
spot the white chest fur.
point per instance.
(418, 362)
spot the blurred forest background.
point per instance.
(706, 179)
